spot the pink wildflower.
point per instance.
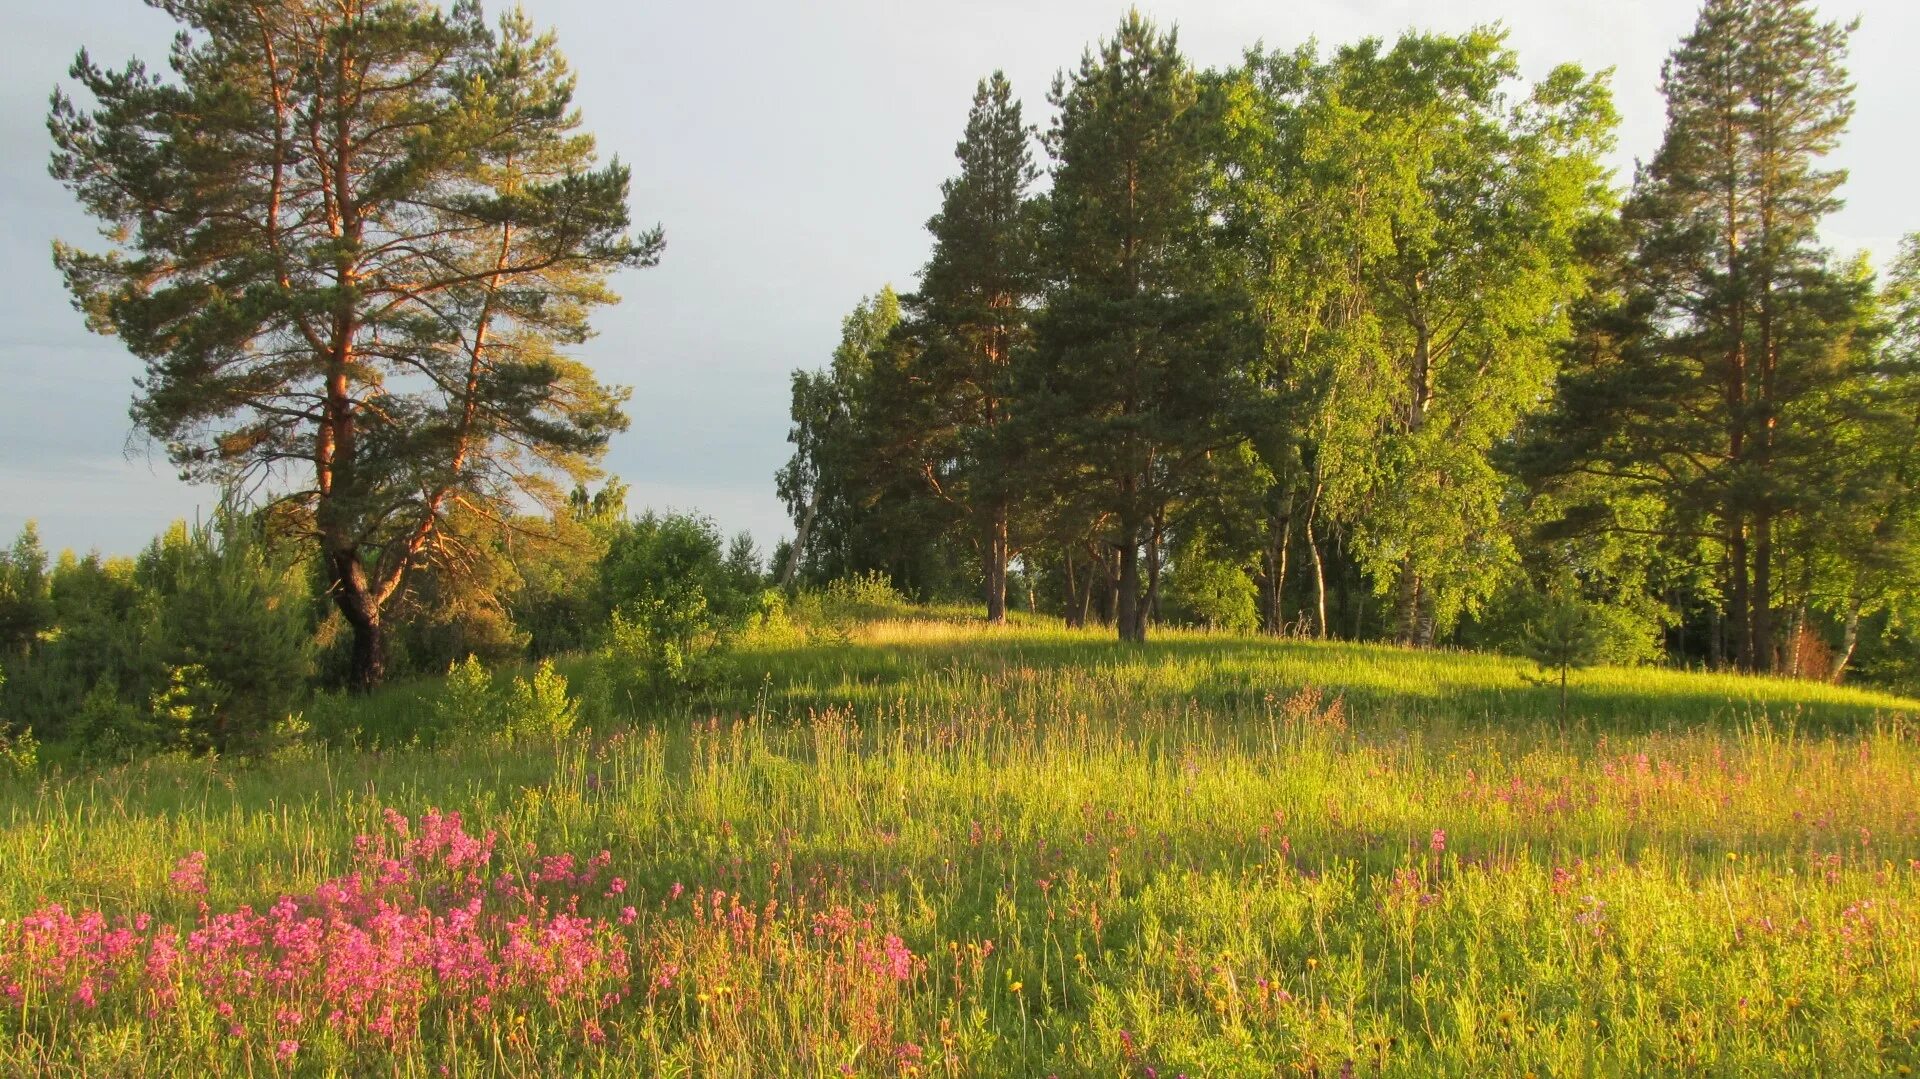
(189, 876)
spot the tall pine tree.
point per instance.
(1136, 355)
(952, 396)
(352, 240)
(1734, 323)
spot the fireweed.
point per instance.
(430, 937)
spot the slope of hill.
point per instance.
(924, 848)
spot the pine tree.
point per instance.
(1133, 367)
(26, 598)
(350, 241)
(950, 397)
(1708, 372)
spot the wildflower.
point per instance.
(1438, 841)
(288, 1047)
(189, 876)
(628, 915)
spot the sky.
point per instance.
(793, 153)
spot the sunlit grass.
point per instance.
(1105, 861)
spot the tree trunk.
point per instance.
(1127, 600)
(1273, 582)
(800, 535)
(1847, 642)
(1105, 604)
(1150, 596)
(1762, 595)
(1716, 639)
(352, 594)
(1740, 612)
(1077, 593)
(995, 555)
(1407, 606)
(1320, 627)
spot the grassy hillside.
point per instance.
(931, 849)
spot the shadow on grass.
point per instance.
(1054, 673)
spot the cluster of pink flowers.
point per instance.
(427, 931)
(421, 927)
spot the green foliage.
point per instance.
(822, 483)
(675, 600)
(664, 645)
(540, 710)
(467, 703)
(1215, 590)
(107, 727)
(835, 609)
(202, 643)
(19, 750)
(26, 597)
(229, 625)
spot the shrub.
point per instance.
(19, 751)
(540, 710)
(676, 598)
(665, 645)
(467, 703)
(1215, 591)
(834, 611)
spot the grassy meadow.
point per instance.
(923, 848)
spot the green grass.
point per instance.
(1110, 860)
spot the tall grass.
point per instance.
(941, 850)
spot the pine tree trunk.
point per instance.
(1127, 601)
(1106, 604)
(1740, 612)
(352, 594)
(1762, 597)
(995, 554)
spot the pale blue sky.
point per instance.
(793, 151)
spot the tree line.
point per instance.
(1363, 342)
(1369, 342)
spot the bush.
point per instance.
(467, 703)
(834, 611)
(665, 646)
(470, 705)
(19, 751)
(1216, 592)
(676, 598)
(540, 710)
(228, 630)
(202, 643)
